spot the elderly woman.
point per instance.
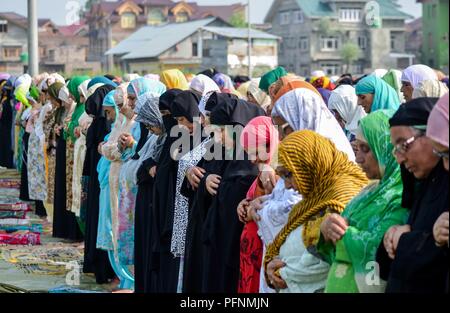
(413, 75)
(327, 180)
(350, 240)
(375, 94)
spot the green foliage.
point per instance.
(238, 20)
(350, 52)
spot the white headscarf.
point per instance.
(91, 90)
(64, 95)
(260, 96)
(130, 77)
(304, 109)
(83, 89)
(345, 101)
(380, 72)
(430, 89)
(203, 84)
(50, 80)
(415, 74)
(318, 74)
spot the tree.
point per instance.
(238, 20)
(350, 52)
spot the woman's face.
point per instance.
(132, 101)
(367, 161)
(110, 113)
(42, 97)
(287, 177)
(82, 99)
(366, 101)
(407, 90)
(184, 122)
(339, 118)
(251, 99)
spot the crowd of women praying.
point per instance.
(349, 196)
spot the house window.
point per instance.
(392, 43)
(329, 43)
(207, 52)
(194, 49)
(350, 15)
(128, 20)
(181, 17)
(51, 55)
(12, 52)
(362, 42)
(330, 69)
(155, 17)
(357, 69)
(298, 17)
(3, 26)
(303, 43)
(285, 18)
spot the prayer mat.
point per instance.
(20, 238)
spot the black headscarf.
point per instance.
(165, 103)
(94, 104)
(216, 98)
(234, 111)
(209, 72)
(186, 105)
(240, 79)
(412, 113)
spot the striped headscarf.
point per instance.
(325, 178)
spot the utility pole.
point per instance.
(33, 57)
(249, 41)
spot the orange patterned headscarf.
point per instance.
(291, 83)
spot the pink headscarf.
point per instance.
(437, 128)
(260, 132)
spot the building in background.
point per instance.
(414, 36)
(13, 42)
(315, 33)
(112, 22)
(435, 24)
(191, 46)
(61, 49)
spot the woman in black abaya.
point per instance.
(6, 125)
(185, 108)
(95, 260)
(222, 229)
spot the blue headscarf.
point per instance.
(101, 80)
(110, 102)
(141, 86)
(385, 97)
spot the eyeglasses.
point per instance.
(442, 155)
(404, 147)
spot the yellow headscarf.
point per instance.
(174, 79)
(325, 178)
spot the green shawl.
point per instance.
(73, 85)
(370, 214)
(271, 77)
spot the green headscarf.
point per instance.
(73, 85)
(371, 213)
(385, 97)
(271, 77)
(53, 90)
